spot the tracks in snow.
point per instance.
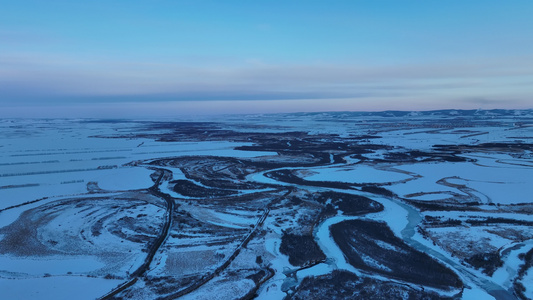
(154, 190)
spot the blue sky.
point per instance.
(134, 58)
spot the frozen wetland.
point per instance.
(433, 205)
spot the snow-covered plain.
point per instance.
(91, 199)
(354, 174)
(493, 181)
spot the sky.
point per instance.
(164, 58)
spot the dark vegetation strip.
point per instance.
(164, 232)
(29, 163)
(252, 294)
(22, 204)
(14, 186)
(119, 289)
(489, 146)
(519, 288)
(288, 177)
(493, 220)
(189, 189)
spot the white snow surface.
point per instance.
(354, 174)
(56, 287)
(494, 182)
(58, 265)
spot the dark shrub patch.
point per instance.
(488, 262)
(301, 249)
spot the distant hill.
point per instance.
(492, 113)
